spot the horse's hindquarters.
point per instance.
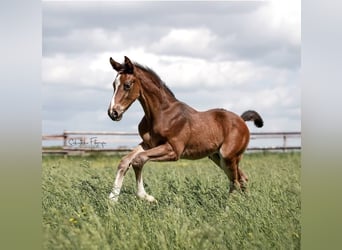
(211, 130)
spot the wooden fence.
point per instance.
(81, 142)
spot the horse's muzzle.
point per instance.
(114, 115)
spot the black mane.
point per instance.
(154, 75)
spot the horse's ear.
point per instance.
(117, 66)
(128, 65)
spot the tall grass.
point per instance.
(194, 210)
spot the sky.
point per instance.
(233, 55)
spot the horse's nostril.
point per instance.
(113, 114)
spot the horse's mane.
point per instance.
(155, 76)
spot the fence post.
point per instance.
(65, 137)
(284, 143)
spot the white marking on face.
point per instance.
(117, 83)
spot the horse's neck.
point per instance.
(155, 100)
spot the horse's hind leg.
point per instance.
(216, 159)
(231, 169)
(242, 176)
(226, 167)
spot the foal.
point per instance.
(171, 129)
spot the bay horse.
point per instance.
(171, 129)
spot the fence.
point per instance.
(81, 142)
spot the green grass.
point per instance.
(194, 210)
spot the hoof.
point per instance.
(114, 198)
(240, 187)
(148, 198)
(234, 186)
(243, 185)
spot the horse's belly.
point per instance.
(199, 151)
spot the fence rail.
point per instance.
(81, 142)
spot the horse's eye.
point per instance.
(127, 86)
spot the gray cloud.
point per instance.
(112, 26)
(211, 54)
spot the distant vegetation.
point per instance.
(194, 210)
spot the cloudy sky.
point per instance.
(233, 55)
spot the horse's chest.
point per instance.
(153, 139)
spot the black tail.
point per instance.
(251, 115)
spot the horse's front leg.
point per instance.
(141, 193)
(122, 169)
(161, 153)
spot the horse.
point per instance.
(172, 130)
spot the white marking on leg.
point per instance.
(141, 193)
(140, 187)
(114, 195)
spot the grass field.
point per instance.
(194, 210)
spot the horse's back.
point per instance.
(225, 119)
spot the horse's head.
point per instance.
(126, 88)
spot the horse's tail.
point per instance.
(251, 115)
